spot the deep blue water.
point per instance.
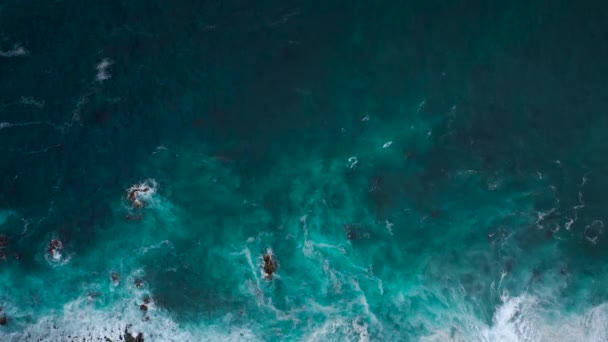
(419, 170)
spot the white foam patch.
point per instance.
(30, 101)
(163, 244)
(335, 282)
(364, 304)
(16, 51)
(421, 106)
(159, 149)
(340, 329)
(79, 320)
(352, 162)
(513, 321)
(522, 319)
(148, 197)
(59, 257)
(102, 70)
(247, 253)
(4, 125)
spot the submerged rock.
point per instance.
(3, 319)
(3, 241)
(355, 232)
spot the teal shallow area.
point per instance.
(421, 170)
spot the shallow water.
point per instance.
(421, 171)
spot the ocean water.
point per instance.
(420, 170)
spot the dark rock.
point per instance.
(130, 338)
(143, 307)
(3, 241)
(114, 277)
(138, 283)
(54, 246)
(146, 300)
(269, 265)
(3, 319)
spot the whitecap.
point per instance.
(159, 148)
(522, 319)
(389, 226)
(340, 329)
(21, 124)
(102, 70)
(352, 162)
(58, 256)
(80, 320)
(145, 249)
(30, 101)
(148, 197)
(16, 51)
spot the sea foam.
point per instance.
(80, 321)
(521, 319)
(16, 51)
(102, 70)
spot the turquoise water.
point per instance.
(421, 171)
